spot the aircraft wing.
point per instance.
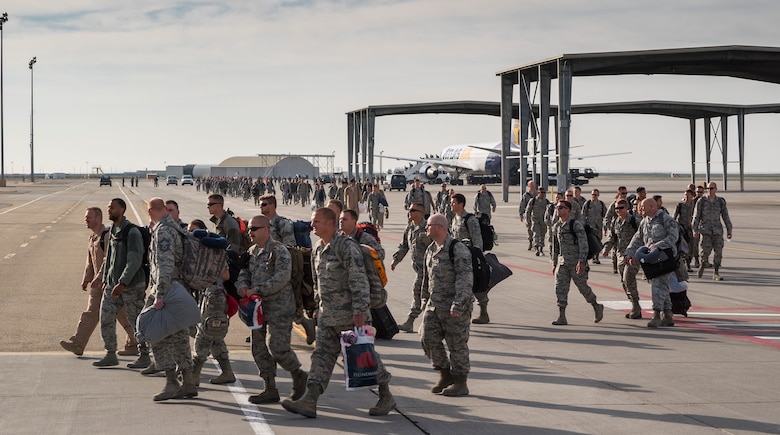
(552, 159)
(430, 160)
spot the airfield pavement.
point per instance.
(716, 371)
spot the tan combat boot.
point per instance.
(299, 378)
(483, 315)
(307, 406)
(445, 380)
(666, 318)
(598, 309)
(636, 310)
(407, 326)
(459, 388)
(269, 395)
(171, 386)
(386, 402)
(561, 317)
(197, 367)
(656, 321)
(188, 389)
(227, 376)
(152, 369)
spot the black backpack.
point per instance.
(146, 236)
(479, 267)
(486, 231)
(594, 241)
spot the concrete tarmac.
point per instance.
(716, 371)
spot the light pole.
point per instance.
(3, 19)
(381, 154)
(32, 150)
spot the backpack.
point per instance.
(146, 236)
(301, 278)
(479, 268)
(369, 228)
(243, 227)
(301, 230)
(372, 265)
(594, 241)
(487, 231)
(205, 257)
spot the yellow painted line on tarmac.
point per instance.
(9, 255)
(34, 237)
(42, 231)
(24, 245)
(754, 251)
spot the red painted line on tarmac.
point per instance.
(690, 323)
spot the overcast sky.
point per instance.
(141, 84)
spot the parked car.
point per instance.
(398, 181)
(186, 179)
(105, 180)
(172, 180)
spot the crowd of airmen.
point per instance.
(438, 230)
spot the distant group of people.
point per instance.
(628, 223)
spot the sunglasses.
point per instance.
(263, 204)
(212, 204)
(255, 228)
(619, 208)
(561, 207)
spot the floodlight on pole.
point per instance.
(32, 149)
(3, 19)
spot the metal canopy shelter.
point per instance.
(746, 62)
(360, 126)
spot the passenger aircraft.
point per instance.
(480, 159)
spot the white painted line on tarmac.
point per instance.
(135, 212)
(626, 305)
(766, 337)
(36, 200)
(742, 325)
(253, 415)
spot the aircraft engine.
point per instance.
(430, 172)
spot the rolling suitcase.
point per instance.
(384, 323)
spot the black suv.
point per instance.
(105, 180)
(398, 181)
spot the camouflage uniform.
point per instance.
(534, 213)
(268, 275)
(593, 212)
(527, 197)
(466, 227)
(568, 250)
(706, 221)
(376, 215)
(165, 257)
(662, 230)
(550, 218)
(416, 239)
(122, 265)
(210, 337)
(683, 214)
(415, 195)
(620, 235)
(227, 227)
(446, 287)
(282, 230)
(341, 290)
(442, 202)
(484, 203)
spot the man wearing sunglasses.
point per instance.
(620, 235)
(706, 225)
(416, 240)
(281, 227)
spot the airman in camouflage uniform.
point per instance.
(281, 227)
(484, 203)
(657, 230)
(593, 212)
(442, 201)
(550, 218)
(166, 252)
(623, 229)
(373, 201)
(415, 195)
(576, 210)
(342, 293)
(569, 259)
(465, 227)
(447, 303)
(124, 281)
(528, 195)
(348, 226)
(416, 240)
(706, 225)
(534, 219)
(210, 335)
(268, 275)
(610, 217)
(683, 214)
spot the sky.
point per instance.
(132, 85)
